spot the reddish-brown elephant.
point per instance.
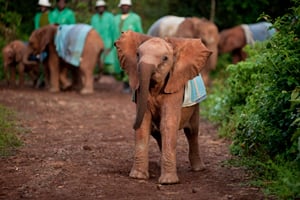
(191, 27)
(233, 40)
(46, 39)
(13, 54)
(158, 71)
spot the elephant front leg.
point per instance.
(54, 74)
(140, 166)
(63, 77)
(21, 70)
(169, 128)
(191, 133)
(12, 76)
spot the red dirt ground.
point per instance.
(81, 148)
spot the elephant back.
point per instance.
(166, 26)
(70, 41)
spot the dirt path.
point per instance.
(81, 148)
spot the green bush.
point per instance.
(258, 106)
(8, 132)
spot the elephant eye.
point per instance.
(164, 58)
(137, 56)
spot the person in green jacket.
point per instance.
(63, 15)
(44, 17)
(126, 20)
(103, 22)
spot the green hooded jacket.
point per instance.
(104, 25)
(131, 22)
(42, 19)
(66, 16)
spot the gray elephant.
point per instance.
(159, 70)
(190, 27)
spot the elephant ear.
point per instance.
(41, 37)
(191, 56)
(127, 46)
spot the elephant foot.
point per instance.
(86, 91)
(52, 89)
(138, 174)
(66, 86)
(197, 165)
(168, 178)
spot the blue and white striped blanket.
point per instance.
(69, 41)
(194, 92)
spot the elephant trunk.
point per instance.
(145, 72)
(26, 59)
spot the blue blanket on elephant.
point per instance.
(258, 32)
(195, 92)
(261, 31)
(69, 41)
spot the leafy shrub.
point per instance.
(8, 132)
(258, 106)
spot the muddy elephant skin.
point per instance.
(158, 70)
(43, 39)
(13, 54)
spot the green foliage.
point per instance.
(279, 177)
(258, 107)
(84, 16)
(8, 132)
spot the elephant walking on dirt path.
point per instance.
(69, 46)
(13, 54)
(158, 70)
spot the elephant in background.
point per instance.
(233, 40)
(65, 53)
(158, 70)
(190, 27)
(13, 54)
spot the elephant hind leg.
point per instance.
(12, 77)
(63, 77)
(194, 156)
(191, 133)
(86, 72)
(100, 67)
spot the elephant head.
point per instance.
(39, 41)
(13, 52)
(8, 57)
(233, 40)
(159, 66)
(207, 31)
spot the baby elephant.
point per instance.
(159, 70)
(13, 62)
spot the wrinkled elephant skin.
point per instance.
(158, 70)
(43, 40)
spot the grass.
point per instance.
(9, 132)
